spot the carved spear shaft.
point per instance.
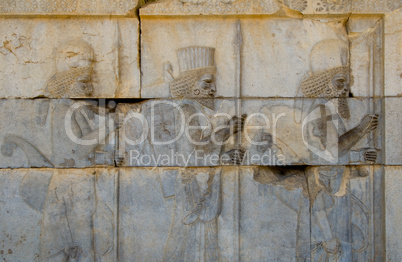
(238, 43)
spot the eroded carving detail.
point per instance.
(197, 76)
(211, 7)
(333, 86)
(194, 231)
(78, 218)
(74, 63)
(67, 6)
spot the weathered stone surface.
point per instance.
(58, 215)
(276, 132)
(393, 53)
(268, 7)
(393, 194)
(271, 128)
(393, 125)
(209, 7)
(355, 6)
(68, 7)
(263, 62)
(72, 58)
(56, 133)
(366, 56)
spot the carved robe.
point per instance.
(194, 232)
(333, 206)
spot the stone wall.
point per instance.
(200, 130)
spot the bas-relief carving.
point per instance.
(69, 215)
(224, 7)
(330, 78)
(292, 213)
(192, 208)
(194, 103)
(188, 7)
(329, 191)
(38, 61)
(325, 194)
(333, 211)
(58, 142)
(74, 64)
(194, 231)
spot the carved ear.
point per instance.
(299, 101)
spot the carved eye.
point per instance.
(71, 54)
(340, 83)
(208, 79)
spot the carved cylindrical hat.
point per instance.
(328, 54)
(191, 58)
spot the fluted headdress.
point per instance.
(194, 62)
(191, 58)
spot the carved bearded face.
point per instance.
(196, 84)
(340, 85)
(205, 87)
(75, 57)
(74, 71)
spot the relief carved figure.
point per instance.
(194, 231)
(329, 84)
(77, 214)
(84, 125)
(196, 82)
(193, 235)
(193, 105)
(74, 69)
(339, 220)
(331, 199)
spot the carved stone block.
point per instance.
(58, 215)
(366, 56)
(250, 64)
(209, 7)
(276, 132)
(60, 58)
(393, 125)
(56, 133)
(393, 196)
(250, 214)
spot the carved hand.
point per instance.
(236, 125)
(236, 156)
(333, 246)
(119, 157)
(369, 123)
(368, 155)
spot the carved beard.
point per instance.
(185, 85)
(343, 107)
(207, 102)
(65, 84)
